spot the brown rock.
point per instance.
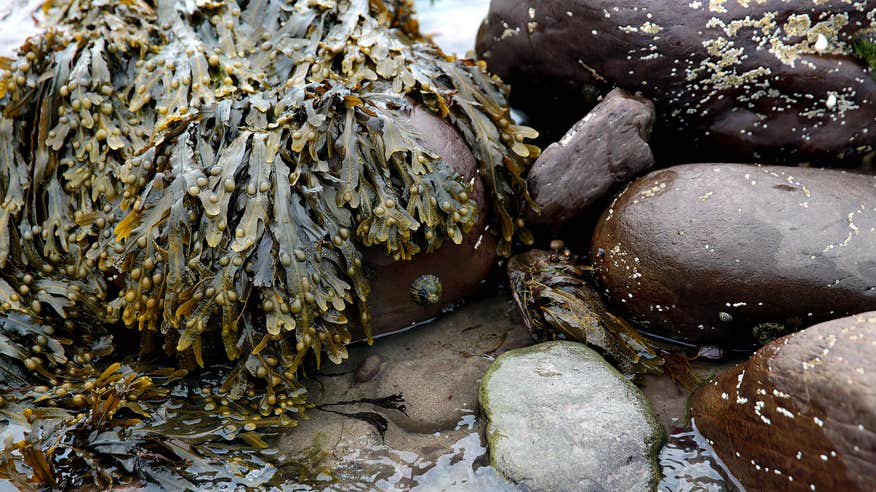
(390, 302)
(705, 252)
(769, 81)
(801, 413)
(605, 149)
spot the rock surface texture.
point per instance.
(561, 418)
(603, 151)
(706, 252)
(801, 413)
(770, 81)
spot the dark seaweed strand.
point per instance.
(174, 164)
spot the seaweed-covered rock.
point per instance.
(707, 252)
(391, 305)
(604, 150)
(801, 413)
(214, 175)
(561, 418)
(768, 81)
(209, 167)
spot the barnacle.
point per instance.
(209, 172)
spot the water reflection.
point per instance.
(689, 464)
(453, 24)
(457, 470)
(462, 468)
(18, 21)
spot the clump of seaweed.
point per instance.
(97, 430)
(556, 302)
(208, 173)
(864, 47)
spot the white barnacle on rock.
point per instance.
(717, 6)
(758, 409)
(780, 394)
(831, 101)
(784, 411)
(821, 43)
(650, 28)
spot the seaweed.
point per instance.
(208, 173)
(864, 47)
(121, 426)
(556, 302)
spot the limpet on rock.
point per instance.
(426, 289)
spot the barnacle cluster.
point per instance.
(208, 173)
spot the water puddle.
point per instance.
(689, 464)
(457, 470)
(381, 467)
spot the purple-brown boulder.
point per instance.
(603, 151)
(763, 81)
(801, 413)
(460, 267)
(707, 252)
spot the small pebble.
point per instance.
(368, 369)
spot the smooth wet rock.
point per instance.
(707, 252)
(436, 368)
(767, 81)
(561, 418)
(390, 302)
(603, 151)
(801, 413)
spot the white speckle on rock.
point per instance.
(831, 101)
(821, 43)
(784, 411)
